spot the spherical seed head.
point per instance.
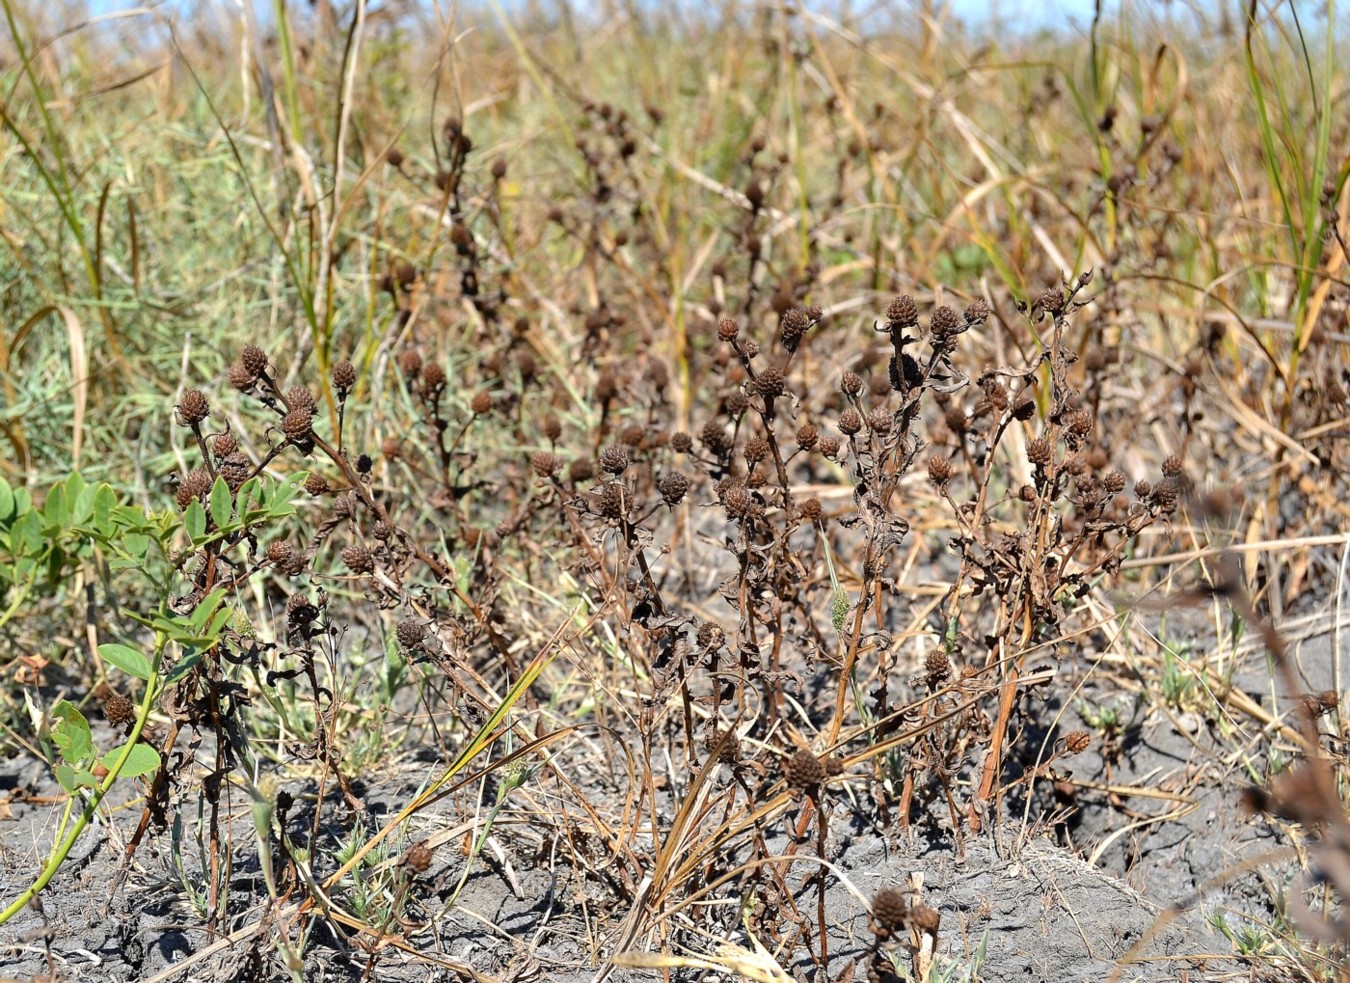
(880, 420)
(298, 423)
(810, 510)
(793, 327)
(193, 487)
(937, 666)
(807, 436)
(300, 398)
(344, 376)
(240, 377)
(1114, 482)
(710, 636)
(551, 428)
(736, 403)
(890, 911)
(1027, 493)
(804, 770)
(902, 313)
(939, 471)
(828, 446)
(1025, 409)
(608, 502)
(850, 422)
(358, 559)
(253, 359)
(614, 459)
(393, 157)
(1051, 300)
(499, 168)
(756, 449)
(391, 447)
(315, 484)
(1172, 466)
(581, 469)
(418, 858)
(770, 383)
(727, 744)
(632, 435)
(118, 710)
(280, 553)
(382, 531)
(673, 487)
(1077, 741)
(751, 349)
(433, 377)
(1039, 451)
(728, 329)
(978, 312)
(741, 503)
(193, 408)
(300, 610)
(681, 442)
(851, 383)
(224, 444)
(410, 633)
(410, 362)
(944, 323)
(545, 465)
(1143, 488)
(715, 439)
(1081, 422)
(482, 404)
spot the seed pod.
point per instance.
(298, 424)
(850, 422)
(902, 313)
(614, 459)
(192, 409)
(358, 559)
(118, 710)
(410, 633)
(673, 487)
(890, 912)
(253, 359)
(804, 771)
(344, 377)
(1076, 742)
(770, 383)
(417, 858)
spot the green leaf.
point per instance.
(75, 486)
(222, 503)
(105, 500)
(6, 501)
(204, 609)
(72, 778)
(70, 732)
(143, 760)
(23, 500)
(136, 544)
(128, 659)
(184, 666)
(56, 510)
(194, 519)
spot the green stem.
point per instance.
(64, 846)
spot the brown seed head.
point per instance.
(315, 484)
(804, 771)
(810, 510)
(770, 383)
(433, 377)
(1077, 741)
(224, 444)
(410, 362)
(1039, 451)
(298, 423)
(344, 376)
(937, 666)
(945, 323)
(673, 487)
(417, 858)
(410, 633)
(793, 327)
(240, 377)
(118, 710)
(614, 459)
(357, 558)
(902, 313)
(850, 422)
(193, 488)
(545, 465)
(681, 442)
(192, 409)
(581, 469)
(253, 359)
(280, 553)
(710, 636)
(727, 329)
(890, 911)
(978, 311)
(482, 404)
(551, 428)
(851, 383)
(807, 436)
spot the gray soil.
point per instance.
(1021, 903)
